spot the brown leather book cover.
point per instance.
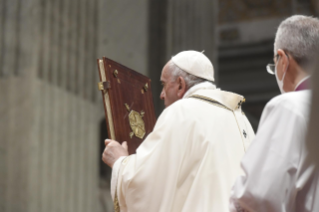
(128, 103)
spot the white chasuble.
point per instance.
(190, 160)
(278, 177)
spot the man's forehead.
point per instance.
(165, 73)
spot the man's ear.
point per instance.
(283, 59)
(182, 88)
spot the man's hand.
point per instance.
(113, 151)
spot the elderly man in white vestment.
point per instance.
(191, 159)
(278, 175)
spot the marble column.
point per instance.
(49, 114)
(178, 25)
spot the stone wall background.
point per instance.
(49, 112)
(50, 107)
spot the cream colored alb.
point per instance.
(190, 160)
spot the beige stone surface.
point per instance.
(124, 33)
(49, 134)
(65, 175)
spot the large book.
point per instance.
(128, 103)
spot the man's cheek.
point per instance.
(166, 102)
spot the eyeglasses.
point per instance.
(271, 68)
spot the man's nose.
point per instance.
(162, 95)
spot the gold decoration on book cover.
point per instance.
(136, 122)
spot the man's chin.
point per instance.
(166, 105)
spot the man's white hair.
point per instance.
(299, 36)
(190, 80)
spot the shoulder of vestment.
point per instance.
(230, 100)
(291, 98)
(296, 103)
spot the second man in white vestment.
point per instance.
(279, 178)
(190, 160)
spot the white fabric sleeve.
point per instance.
(146, 180)
(115, 174)
(271, 162)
